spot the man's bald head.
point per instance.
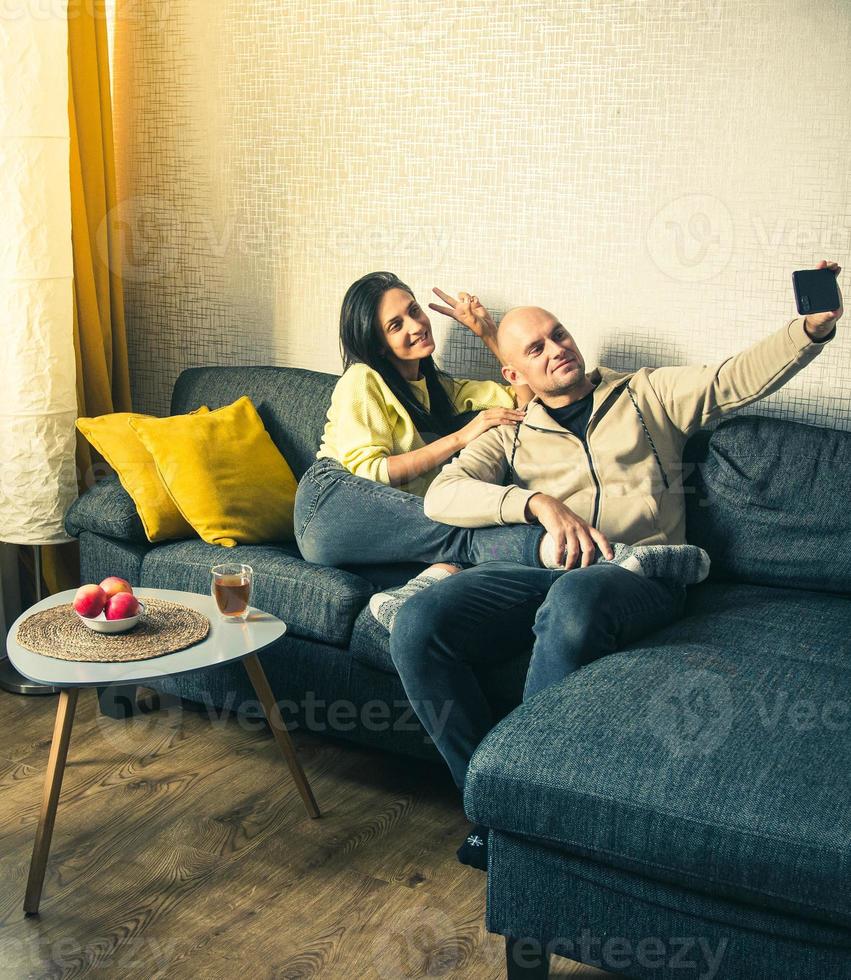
(536, 350)
(514, 326)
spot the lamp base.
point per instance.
(15, 683)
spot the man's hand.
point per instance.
(818, 325)
(468, 311)
(569, 532)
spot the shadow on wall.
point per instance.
(628, 355)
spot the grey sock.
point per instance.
(385, 605)
(684, 562)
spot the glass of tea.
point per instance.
(231, 589)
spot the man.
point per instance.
(596, 458)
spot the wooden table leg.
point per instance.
(258, 678)
(52, 786)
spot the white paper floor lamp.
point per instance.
(38, 402)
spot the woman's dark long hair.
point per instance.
(361, 342)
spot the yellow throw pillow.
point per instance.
(121, 447)
(224, 473)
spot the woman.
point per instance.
(394, 420)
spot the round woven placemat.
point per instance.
(166, 627)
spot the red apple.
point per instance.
(114, 585)
(89, 601)
(122, 605)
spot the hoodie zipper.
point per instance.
(595, 511)
(585, 445)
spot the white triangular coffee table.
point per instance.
(225, 642)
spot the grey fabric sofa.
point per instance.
(685, 796)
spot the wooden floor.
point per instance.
(182, 850)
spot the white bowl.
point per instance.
(100, 624)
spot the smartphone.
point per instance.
(815, 290)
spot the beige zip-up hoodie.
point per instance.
(615, 482)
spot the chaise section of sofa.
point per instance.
(682, 808)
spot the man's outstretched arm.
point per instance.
(694, 396)
(468, 492)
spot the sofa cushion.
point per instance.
(713, 754)
(106, 509)
(114, 437)
(742, 620)
(769, 502)
(315, 602)
(101, 556)
(292, 403)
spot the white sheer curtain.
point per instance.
(38, 400)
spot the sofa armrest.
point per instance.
(107, 509)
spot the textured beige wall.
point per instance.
(651, 170)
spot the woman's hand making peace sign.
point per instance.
(468, 311)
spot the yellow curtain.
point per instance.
(100, 340)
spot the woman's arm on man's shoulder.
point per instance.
(470, 395)
(361, 424)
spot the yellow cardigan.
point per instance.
(367, 422)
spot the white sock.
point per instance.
(684, 562)
(548, 553)
(385, 605)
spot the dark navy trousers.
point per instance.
(495, 611)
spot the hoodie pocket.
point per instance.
(651, 507)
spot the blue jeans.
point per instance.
(342, 519)
(491, 613)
